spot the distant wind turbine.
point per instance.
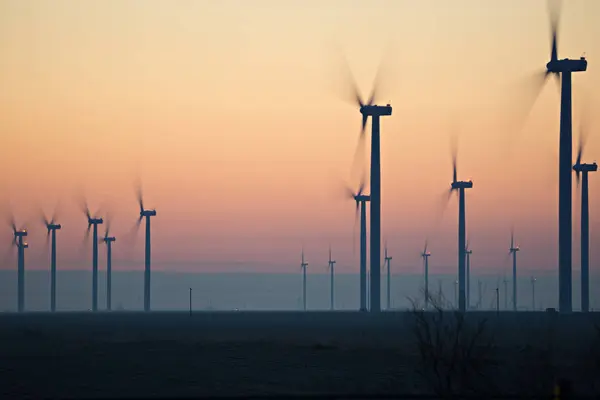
(513, 250)
(583, 170)
(52, 227)
(460, 187)
(108, 240)
(331, 264)
(144, 213)
(468, 253)
(533, 293)
(19, 242)
(303, 266)
(361, 208)
(425, 255)
(387, 261)
(93, 221)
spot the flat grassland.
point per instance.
(134, 354)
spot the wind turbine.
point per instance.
(303, 266)
(108, 240)
(369, 109)
(425, 255)
(468, 253)
(583, 170)
(331, 264)
(513, 250)
(19, 242)
(387, 261)
(533, 293)
(460, 187)
(144, 213)
(505, 281)
(52, 227)
(562, 70)
(361, 207)
(93, 221)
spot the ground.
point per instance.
(123, 354)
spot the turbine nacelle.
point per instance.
(25, 245)
(424, 255)
(461, 185)
(372, 110)
(147, 213)
(514, 249)
(95, 221)
(361, 197)
(21, 233)
(567, 65)
(109, 239)
(585, 167)
(53, 227)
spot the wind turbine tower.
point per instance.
(468, 253)
(460, 187)
(533, 293)
(52, 227)
(361, 207)
(425, 255)
(108, 240)
(146, 214)
(93, 221)
(563, 69)
(303, 266)
(387, 261)
(369, 109)
(331, 264)
(19, 242)
(581, 171)
(513, 250)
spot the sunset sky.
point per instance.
(232, 113)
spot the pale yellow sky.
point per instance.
(229, 111)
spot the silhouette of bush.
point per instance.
(455, 353)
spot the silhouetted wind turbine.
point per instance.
(331, 264)
(460, 187)
(468, 253)
(513, 250)
(533, 293)
(108, 240)
(361, 207)
(145, 214)
(387, 261)
(562, 69)
(369, 109)
(425, 255)
(93, 221)
(19, 242)
(303, 266)
(52, 227)
(583, 170)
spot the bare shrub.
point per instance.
(455, 353)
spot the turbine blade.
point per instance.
(454, 154)
(347, 89)
(554, 15)
(359, 161)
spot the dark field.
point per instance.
(124, 354)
